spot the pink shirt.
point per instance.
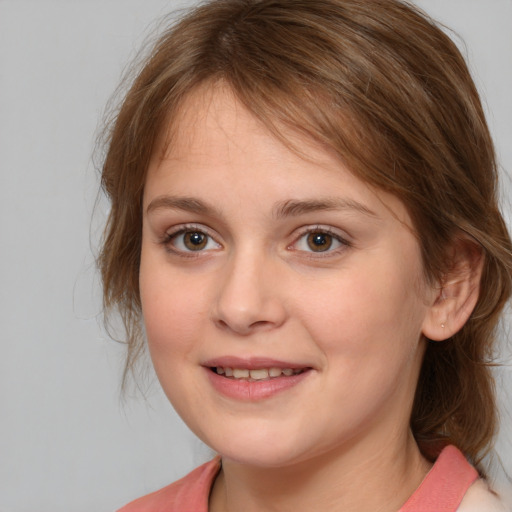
(442, 489)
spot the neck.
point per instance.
(365, 477)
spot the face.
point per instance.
(283, 298)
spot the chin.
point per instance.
(262, 457)
(260, 447)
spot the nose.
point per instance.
(249, 297)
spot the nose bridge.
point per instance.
(248, 294)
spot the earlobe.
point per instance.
(458, 292)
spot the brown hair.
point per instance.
(381, 85)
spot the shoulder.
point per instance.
(453, 485)
(479, 498)
(187, 494)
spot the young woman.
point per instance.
(304, 219)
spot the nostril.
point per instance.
(260, 324)
(222, 324)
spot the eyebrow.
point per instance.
(289, 208)
(294, 208)
(188, 204)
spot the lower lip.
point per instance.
(252, 391)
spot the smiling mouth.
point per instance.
(256, 374)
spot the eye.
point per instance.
(319, 240)
(191, 240)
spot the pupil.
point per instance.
(319, 242)
(195, 240)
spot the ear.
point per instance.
(458, 291)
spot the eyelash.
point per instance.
(322, 230)
(170, 237)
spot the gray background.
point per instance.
(67, 442)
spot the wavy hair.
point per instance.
(381, 85)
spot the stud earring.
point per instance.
(443, 326)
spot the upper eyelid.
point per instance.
(297, 233)
(342, 236)
(180, 228)
(164, 219)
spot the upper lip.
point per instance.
(251, 363)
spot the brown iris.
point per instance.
(195, 240)
(319, 242)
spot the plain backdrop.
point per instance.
(67, 441)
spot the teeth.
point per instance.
(259, 374)
(240, 374)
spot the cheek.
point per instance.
(369, 330)
(366, 311)
(173, 309)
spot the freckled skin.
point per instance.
(353, 312)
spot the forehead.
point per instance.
(211, 117)
(214, 135)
